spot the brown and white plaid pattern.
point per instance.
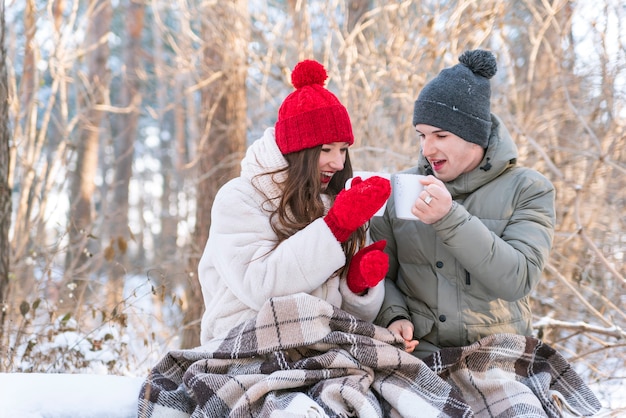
(511, 375)
(301, 357)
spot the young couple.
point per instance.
(292, 288)
(464, 271)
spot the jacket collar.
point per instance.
(263, 157)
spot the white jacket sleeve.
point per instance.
(365, 307)
(240, 250)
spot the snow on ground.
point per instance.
(40, 395)
(94, 390)
(96, 393)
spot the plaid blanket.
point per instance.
(511, 375)
(301, 357)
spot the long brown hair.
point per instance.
(301, 202)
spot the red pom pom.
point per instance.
(307, 73)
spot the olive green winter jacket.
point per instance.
(471, 273)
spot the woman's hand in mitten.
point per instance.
(357, 205)
(368, 267)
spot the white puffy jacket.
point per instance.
(239, 271)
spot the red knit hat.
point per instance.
(311, 115)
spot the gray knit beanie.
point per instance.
(458, 99)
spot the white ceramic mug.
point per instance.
(365, 175)
(406, 190)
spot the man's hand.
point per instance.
(434, 202)
(404, 328)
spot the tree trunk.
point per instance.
(124, 148)
(27, 128)
(83, 178)
(301, 33)
(166, 250)
(224, 138)
(5, 191)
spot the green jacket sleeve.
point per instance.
(519, 253)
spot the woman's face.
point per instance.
(332, 160)
(448, 154)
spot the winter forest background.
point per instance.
(120, 119)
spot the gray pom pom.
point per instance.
(481, 62)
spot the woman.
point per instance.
(285, 225)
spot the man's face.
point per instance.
(448, 154)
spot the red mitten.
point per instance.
(357, 205)
(368, 267)
(356, 180)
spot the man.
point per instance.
(466, 269)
